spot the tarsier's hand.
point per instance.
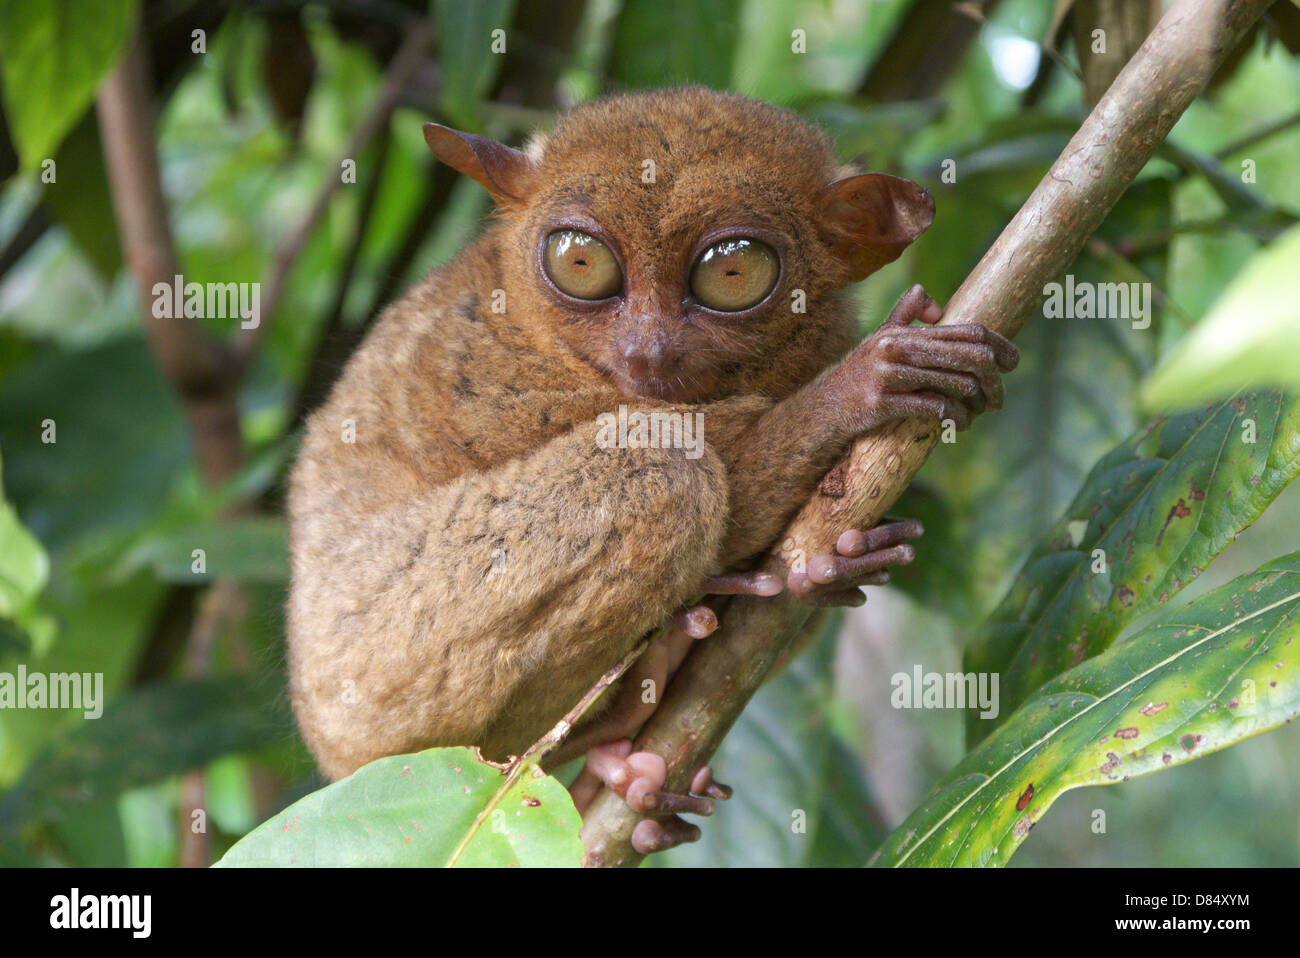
(929, 372)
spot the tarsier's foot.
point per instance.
(638, 778)
(860, 559)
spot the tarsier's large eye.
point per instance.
(735, 274)
(581, 265)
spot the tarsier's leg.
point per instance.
(479, 612)
(633, 699)
(639, 777)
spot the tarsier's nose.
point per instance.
(644, 356)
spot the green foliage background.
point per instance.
(97, 528)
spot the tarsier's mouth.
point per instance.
(679, 389)
(662, 388)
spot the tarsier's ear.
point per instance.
(507, 174)
(871, 218)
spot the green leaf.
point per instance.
(1249, 336)
(24, 571)
(110, 408)
(24, 567)
(251, 549)
(79, 198)
(662, 42)
(228, 794)
(141, 738)
(1159, 508)
(466, 60)
(416, 811)
(148, 825)
(101, 630)
(1197, 679)
(52, 55)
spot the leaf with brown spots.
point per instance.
(1096, 724)
(1187, 482)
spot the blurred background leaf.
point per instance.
(464, 30)
(53, 56)
(1151, 517)
(667, 42)
(140, 739)
(1251, 334)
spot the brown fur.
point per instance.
(467, 567)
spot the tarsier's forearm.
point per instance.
(949, 372)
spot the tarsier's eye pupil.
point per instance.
(735, 274)
(581, 265)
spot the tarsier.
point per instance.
(470, 554)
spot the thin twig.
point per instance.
(537, 752)
(1263, 133)
(400, 71)
(193, 362)
(324, 362)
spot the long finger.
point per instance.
(926, 405)
(960, 387)
(847, 598)
(846, 571)
(651, 835)
(891, 532)
(744, 583)
(975, 359)
(913, 305)
(1007, 355)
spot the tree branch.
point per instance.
(201, 369)
(196, 365)
(1101, 160)
(326, 361)
(934, 32)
